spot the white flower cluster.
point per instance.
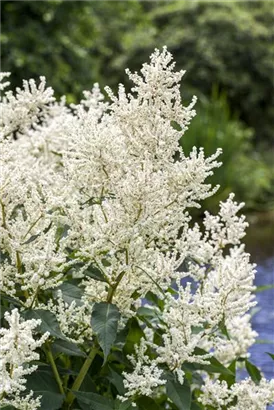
(107, 185)
(246, 394)
(74, 319)
(146, 376)
(20, 111)
(17, 351)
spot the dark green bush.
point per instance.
(243, 171)
(225, 43)
(228, 43)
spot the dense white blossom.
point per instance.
(106, 186)
(21, 111)
(248, 395)
(146, 376)
(73, 318)
(17, 351)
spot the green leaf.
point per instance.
(43, 384)
(48, 322)
(104, 322)
(106, 263)
(271, 355)
(197, 379)
(121, 338)
(117, 380)
(4, 255)
(145, 311)
(123, 405)
(134, 336)
(253, 372)
(61, 232)
(93, 401)
(147, 403)
(263, 288)
(3, 310)
(214, 365)
(31, 239)
(8, 408)
(155, 300)
(179, 394)
(70, 293)
(195, 406)
(230, 378)
(223, 328)
(264, 342)
(94, 273)
(88, 384)
(11, 300)
(68, 348)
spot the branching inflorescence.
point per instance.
(95, 222)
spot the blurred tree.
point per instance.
(243, 171)
(228, 43)
(73, 44)
(77, 43)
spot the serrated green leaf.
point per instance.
(48, 322)
(253, 371)
(93, 401)
(68, 348)
(104, 322)
(271, 355)
(179, 394)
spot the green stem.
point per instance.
(3, 215)
(80, 378)
(54, 368)
(112, 288)
(153, 280)
(34, 298)
(32, 226)
(20, 271)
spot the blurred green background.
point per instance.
(227, 49)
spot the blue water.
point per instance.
(263, 320)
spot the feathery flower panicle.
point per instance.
(17, 351)
(20, 111)
(248, 395)
(95, 206)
